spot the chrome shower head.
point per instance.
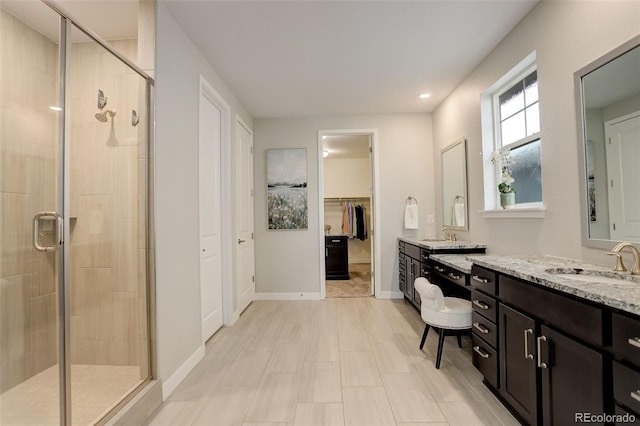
(102, 100)
(104, 116)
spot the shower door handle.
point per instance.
(56, 230)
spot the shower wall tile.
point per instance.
(126, 182)
(95, 231)
(15, 234)
(44, 273)
(125, 257)
(97, 159)
(13, 154)
(44, 338)
(124, 350)
(15, 314)
(95, 304)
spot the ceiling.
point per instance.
(111, 20)
(311, 58)
(322, 57)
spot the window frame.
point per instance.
(492, 140)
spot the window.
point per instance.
(511, 124)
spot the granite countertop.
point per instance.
(436, 244)
(544, 270)
(455, 261)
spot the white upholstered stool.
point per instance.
(448, 315)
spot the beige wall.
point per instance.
(566, 36)
(179, 65)
(28, 142)
(288, 262)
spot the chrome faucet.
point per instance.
(635, 269)
(448, 234)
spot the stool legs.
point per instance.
(459, 341)
(424, 336)
(440, 345)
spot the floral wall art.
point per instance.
(287, 188)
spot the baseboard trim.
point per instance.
(178, 376)
(390, 295)
(288, 296)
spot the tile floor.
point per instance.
(331, 362)
(95, 388)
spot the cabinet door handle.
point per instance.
(454, 276)
(439, 269)
(480, 352)
(540, 363)
(326, 252)
(635, 341)
(335, 241)
(636, 395)
(481, 328)
(527, 332)
(481, 305)
(479, 279)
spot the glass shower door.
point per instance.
(30, 220)
(109, 347)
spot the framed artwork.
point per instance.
(287, 188)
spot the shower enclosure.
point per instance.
(75, 237)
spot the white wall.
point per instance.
(566, 36)
(288, 261)
(178, 68)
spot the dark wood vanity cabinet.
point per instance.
(625, 349)
(414, 261)
(336, 256)
(551, 361)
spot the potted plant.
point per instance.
(502, 158)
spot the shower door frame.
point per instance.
(64, 275)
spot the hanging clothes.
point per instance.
(346, 220)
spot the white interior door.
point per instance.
(623, 152)
(210, 217)
(246, 287)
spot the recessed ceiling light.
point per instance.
(325, 154)
(323, 138)
(55, 108)
(424, 95)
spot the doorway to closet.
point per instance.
(347, 213)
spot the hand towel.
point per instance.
(458, 213)
(411, 216)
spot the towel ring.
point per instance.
(409, 199)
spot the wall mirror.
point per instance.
(454, 185)
(608, 102)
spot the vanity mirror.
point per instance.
(608, 102)
(454, 185)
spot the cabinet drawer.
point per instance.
(450, 274)
(412, 251)
(626, 386)
(484, 280)
(401, 246)
(573, 316)
(484, 305)
(626, 337)
(485, 359)
(484, 328)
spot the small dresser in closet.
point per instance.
(336, 257)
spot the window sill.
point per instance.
(515, 213)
